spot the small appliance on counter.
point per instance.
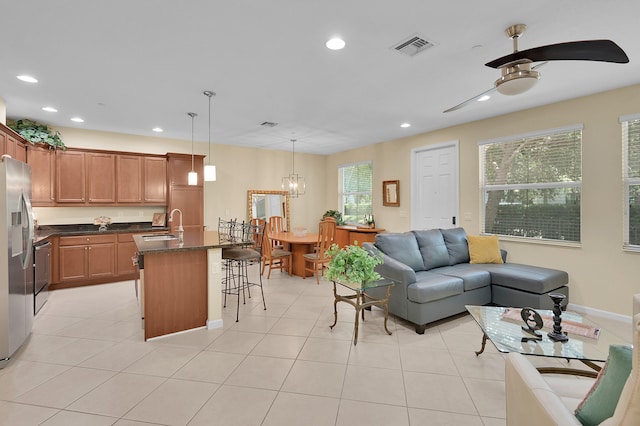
(16, 266)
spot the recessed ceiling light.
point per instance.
(405, 125)
(77, 120)
(27, 79)
(49, 109)
(157, 130)
(335, 43)
(484, 98)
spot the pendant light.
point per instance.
(192, 177)
(209, 169)
(294, 184)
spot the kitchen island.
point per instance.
(180, 282)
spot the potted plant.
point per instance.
(37, 133)
(334, 214)
(352, 264)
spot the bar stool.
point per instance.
(238, 259)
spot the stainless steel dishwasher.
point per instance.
(42, 275)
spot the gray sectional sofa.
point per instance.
(435, 280)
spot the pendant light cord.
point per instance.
(293, 157)
(192, 115)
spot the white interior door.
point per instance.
(435, 187)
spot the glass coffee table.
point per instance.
(361, 300)
(500, 327)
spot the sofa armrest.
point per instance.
(530, 400)
(392, 268)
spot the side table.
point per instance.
(361, 300)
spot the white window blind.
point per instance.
(631, 173)
(356, 183)
(531, 185)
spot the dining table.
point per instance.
(298, 244)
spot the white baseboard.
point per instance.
(593, 311)
(211, 324)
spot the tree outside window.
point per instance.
(531, 185)
(356, 198)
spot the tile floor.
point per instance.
(86, 363)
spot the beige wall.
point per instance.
(238, 170)
(601, 274)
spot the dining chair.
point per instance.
(276, 258)
(315, 262)
(277, 225)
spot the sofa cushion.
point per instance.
(456, 241)
(432, 248)
(402, 247)
(484, 249)
(472, 276)
(532, 279)
(430, 287)
(600, 402)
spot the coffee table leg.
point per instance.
(355, 335)
(386, 309)
(335, 309)
(484, 342)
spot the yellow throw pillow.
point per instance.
(484, 249)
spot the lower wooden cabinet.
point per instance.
(87, 258)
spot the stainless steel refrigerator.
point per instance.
(16, 265)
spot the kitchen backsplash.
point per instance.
(80, 215)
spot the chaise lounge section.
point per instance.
(436, 276)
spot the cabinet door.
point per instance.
(10, 146)
(21, 152)
(126, 250)
(129, 181)
(71, 178)
(155, 180)
(102, 260)
(190, 201)
(73, 262)
(42, 162)
(101, 177)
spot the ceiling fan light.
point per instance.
(517, 81)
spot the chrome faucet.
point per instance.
(180, 228)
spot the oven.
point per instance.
(42, 275)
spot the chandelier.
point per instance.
(293, 184)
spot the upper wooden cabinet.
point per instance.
(189, 199)
(12, 144)
(155, 180)
(129, 182)
(71, 179)
(101, 178)
(43, 175)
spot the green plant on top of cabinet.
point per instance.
(37, 133)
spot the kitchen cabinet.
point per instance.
(129, 179)
(155, 180)
(12, 144)
(21, 152)
(85, 177)
(43, 176)
(101, 177)
(127, 249)
(189, 199)
(70, 177)
(87, 258)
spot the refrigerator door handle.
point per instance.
(25, 205)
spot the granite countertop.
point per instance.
(193, 240)
(45, 231)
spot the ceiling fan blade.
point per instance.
(468, 101)
(589, 50)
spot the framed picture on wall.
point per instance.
(391, 193)
(158, 219)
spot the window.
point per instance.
(531, 185)
(631, 144)
(356, 183)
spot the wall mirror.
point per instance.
(263, 204)
(391, 193)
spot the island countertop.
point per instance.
(193, 240)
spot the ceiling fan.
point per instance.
(518, 74)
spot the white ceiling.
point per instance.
(130, 65)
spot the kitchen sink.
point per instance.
(159, 237)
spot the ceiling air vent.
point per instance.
(268, 124)
(413, 45)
